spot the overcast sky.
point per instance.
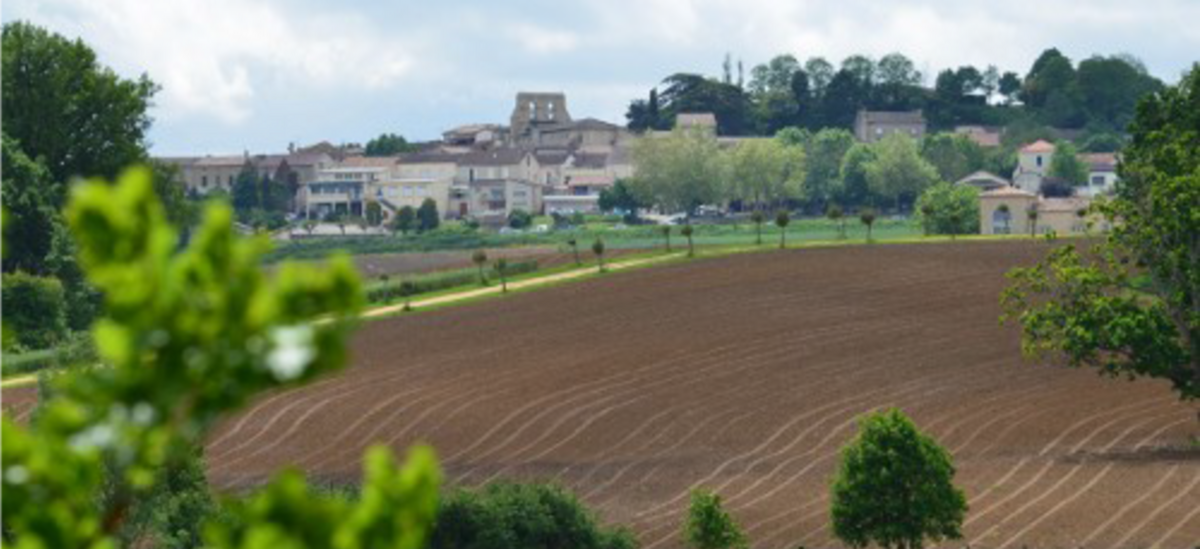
(258, 74)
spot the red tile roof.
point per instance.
(1039, 146)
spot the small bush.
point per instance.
(34, 309)
(514, 515)
(709, 526)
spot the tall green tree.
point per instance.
(678, 172)
(1078, 307)
(1066, 165)
(388, 144)
(898, 173)
(405, 220)
(949, 209)
(895, 487)
(824, 162)
(428, 218)
(953, 155)
(78, 117)
(765, 171)
(855, 188)
(247, 191)
(30, 214)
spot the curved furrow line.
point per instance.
(777, 485)
(1033, 480)
(827, 456)
(332, 388)
(258, 407)
(1014, 405)
(1087, 542)
(679, 441)
(1124, 541)
(1192, 519)
(916, 384)
(686, 368)
(972, 500)
(669, 413)
(1069, 474)
(752, 362)
(604, 383)
(433, 393)
(923, 391)
(840, 407)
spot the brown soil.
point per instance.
(744, 375)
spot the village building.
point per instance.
(873, 126)
(984, 181)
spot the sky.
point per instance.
(257, 75)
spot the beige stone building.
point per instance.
(872, 126)
(1006, 211)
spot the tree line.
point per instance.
(1098, 94)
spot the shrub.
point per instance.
(519, 219)
(34, 309)
(708, 526)
(949, 209)
(522, 515)
(894, 487)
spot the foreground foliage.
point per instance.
(894, 487)
(1080, 307)
(189, 336)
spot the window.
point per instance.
(204, 181)
(1039, 161)
(471, 174)
(1097, 180)
(231, 181)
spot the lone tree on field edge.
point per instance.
(574, 244)
(598, 249)
(836, 214)
(686, 231)
(781, 220)
(758, 218)
(1032, 215)
(666, 231)
(895, 487)
(501, 267)
(867, 216)
(480, 257)
(709, 526)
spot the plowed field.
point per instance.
(745, 374)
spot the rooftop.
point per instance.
(1039, 146)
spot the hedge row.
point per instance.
(388, 291)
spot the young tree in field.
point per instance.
(666, 232)
(480, 258)
(598, 250)
(895, 487)
(709, 526)
(781, 220)
(309, 226)
(1079, 307)
(574, 244)
(927, 212)
(836, 215)
(1031, 214)
(686, 231)
(405, 220)
(758, 218)
(867, 216)
(501, 268)
(678, 172)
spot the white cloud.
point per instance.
(542, 40)
(209, 56)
